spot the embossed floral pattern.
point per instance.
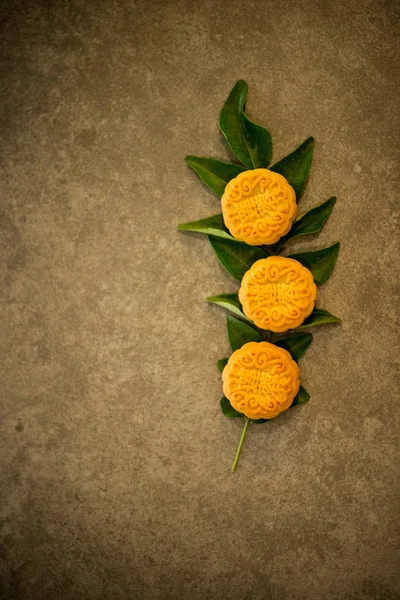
(261, 380)
(259, 207)
(277, 293)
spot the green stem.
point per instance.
(269, 336)
(235, 462)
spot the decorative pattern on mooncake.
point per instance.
(259, 207)
(261, 380)
(277, 293)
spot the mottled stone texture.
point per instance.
(115, 460)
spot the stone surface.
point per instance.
(115, 460)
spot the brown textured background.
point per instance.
(115, 460)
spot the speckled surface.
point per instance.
(115, 461)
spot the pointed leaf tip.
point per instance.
(319, 316)
(320, 262)
(251, 143)
(311, 222)
(210, 226)
(296, 166)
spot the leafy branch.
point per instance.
(252, 146)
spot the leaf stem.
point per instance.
(235, 462)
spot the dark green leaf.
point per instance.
(228, 409)
(236, 257)
(296, 166)
(302, 397)
(251, 143)
(213, 173)
(320, 262)
(319, 316)
(296, 345)
(259, 421)
(211, 226)
(239, 333)
(221, 364)
(230, 302)
(311, 222)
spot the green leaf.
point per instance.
(221, 363)
(236, 257)
(296, 166)
(239, 333)
(311, 222)
(211, 226)
(228, 409)
(302, 397)
(319, 316)
(214, 173)
(230, 302)
(251, 143)
(320, 262)
(296, 345)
